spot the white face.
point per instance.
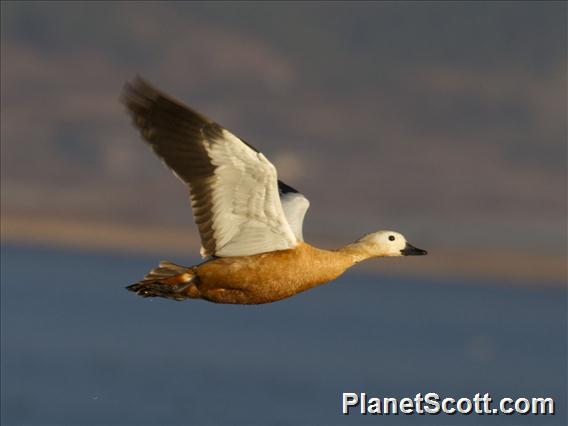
(390, 243)
(386, 243)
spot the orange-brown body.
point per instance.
(261, 278)
(267, 277)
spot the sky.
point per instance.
(445, 121)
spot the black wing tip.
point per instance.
(139, 93)
(136, 91)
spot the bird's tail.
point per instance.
(167, 280)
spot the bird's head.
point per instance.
(389, 243)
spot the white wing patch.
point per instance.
(247, 214)
(295, 206)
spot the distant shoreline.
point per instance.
(522, 267)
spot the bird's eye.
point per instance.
(391, 237)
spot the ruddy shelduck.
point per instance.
(250, 222)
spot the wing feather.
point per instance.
(233, 188)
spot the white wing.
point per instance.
(233, 188)
(295, 206)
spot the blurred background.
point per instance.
(444, 121)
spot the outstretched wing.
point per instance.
(233, 188)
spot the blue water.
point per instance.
(79, 349)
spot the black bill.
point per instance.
(410, 250)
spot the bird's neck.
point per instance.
(357, 251)
(321, 265)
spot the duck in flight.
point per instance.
(250, 222)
